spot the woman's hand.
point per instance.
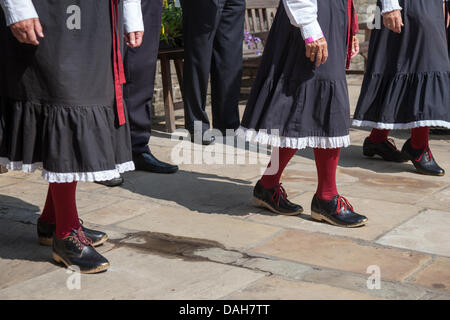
(355, 47)
(134, 39)
(317, 51)
(393, 21)
(27, 31)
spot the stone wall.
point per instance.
(363, 7)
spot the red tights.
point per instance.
(326, 164)
(60, 208)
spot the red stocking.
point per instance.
(378, 136)
(420, 137)
(64, 201)
(272, 176)
(48, 214)
(326, 163)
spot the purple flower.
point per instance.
(252, 42)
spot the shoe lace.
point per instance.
(279, 193)
(342, 202)
(427, 153)
(81, 237)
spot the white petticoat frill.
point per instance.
(400, 126)
(57, 177)
(262, 137)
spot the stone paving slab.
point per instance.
(212, 192)
(21, 256)
(35, 194)
(341, 254)
(427, 232)
(274, 288)
(230, 232)
(139, 275)
(436, 275)
(358, 282)
(439, 200)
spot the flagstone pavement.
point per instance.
(196, 234)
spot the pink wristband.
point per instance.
(310, 40)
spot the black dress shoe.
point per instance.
(148, 162)
(204, 140)
(386, 150)
(111, 183)
(422, 159)
(76, 250)
(275, 200)
(338, 212)
(46, 230)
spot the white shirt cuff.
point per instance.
(18, 11)
(311, 30)
(390, 5)
(132, 16)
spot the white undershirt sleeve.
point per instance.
(303, 14)
(132, 16)
(390, 5)
(18, 10)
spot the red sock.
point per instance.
(273, 173)
(326, 163)
(64, 201)
(378, 136)
(48, 214)
(420, 137)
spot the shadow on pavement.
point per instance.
(18, 236)
(203, 192)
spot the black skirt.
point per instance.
(407, 83)
(57, 107)
(292, 103)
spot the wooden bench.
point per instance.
(259, 17)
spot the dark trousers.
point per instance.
(213, 36)
(140, 69)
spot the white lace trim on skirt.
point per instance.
(409, 125)
(69, 177)
(273, 140)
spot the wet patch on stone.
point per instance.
(167, 245)
(438, 286)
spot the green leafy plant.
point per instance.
(171, 24)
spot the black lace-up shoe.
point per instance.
(46, 230)
(76, 250)
(338, 212)
(386, 150)
(422, 159)
(275, 200)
